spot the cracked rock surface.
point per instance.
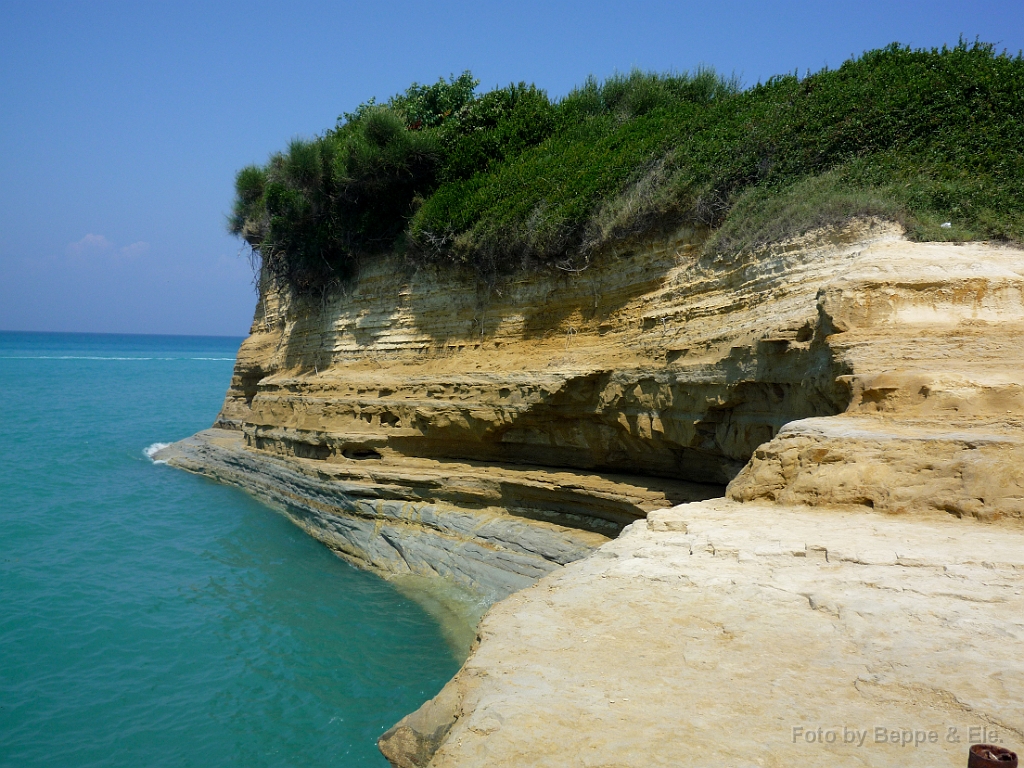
(719, 633)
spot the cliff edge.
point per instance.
(848, 391)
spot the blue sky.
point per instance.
(122, 124)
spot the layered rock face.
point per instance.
(858, 607)
(931, 337)
(856, 397)
(655, 362)
(720, 633)
(655, 375)
(446, 419)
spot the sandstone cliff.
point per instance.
(422, 425)
(755, 634)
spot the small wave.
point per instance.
(153, 449)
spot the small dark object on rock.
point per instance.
(991, 756)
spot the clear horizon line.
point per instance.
(120, 333)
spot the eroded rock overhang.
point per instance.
(420, 407)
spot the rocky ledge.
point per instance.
(718, 633)
(859, 394)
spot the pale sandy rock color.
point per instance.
(859, 394)
(719, 633)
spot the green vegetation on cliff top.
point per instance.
(511, 180)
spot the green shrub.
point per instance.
(311, 213)
(498, 125)
(636, 94)
(509, 180)
(428, 106)
(920, 136)
(380, 168)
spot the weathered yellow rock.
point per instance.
(496, 435)
(719, 633)
(932, 341)
(660, 363)
(665, 363)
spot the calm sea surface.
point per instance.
(152, 618)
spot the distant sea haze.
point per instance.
(153, 618)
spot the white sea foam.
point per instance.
(152, 450)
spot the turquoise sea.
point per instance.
(152, 618)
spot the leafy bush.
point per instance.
(380, 169)
(427, 106)
(498, 125)
(509, 179)
(921, 136)
(314, 210)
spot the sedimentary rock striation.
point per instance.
(720, 633)
(931, 338)
(856, 393)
